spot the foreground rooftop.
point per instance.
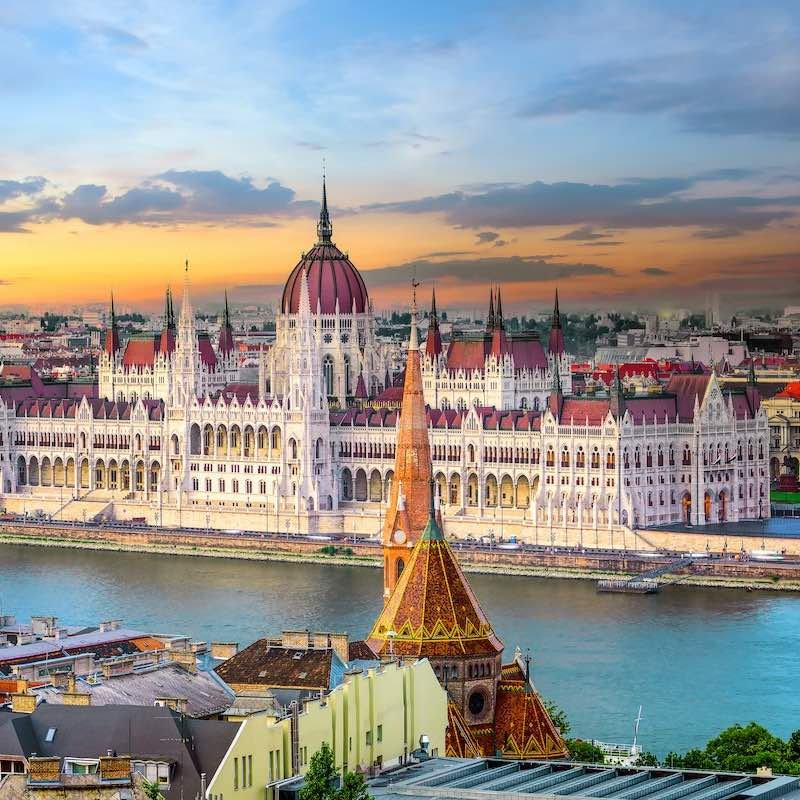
(485, 778)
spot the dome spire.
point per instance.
(324, 226)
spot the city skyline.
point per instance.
(630, 153)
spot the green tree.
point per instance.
(581, 750)
(646, 759)
(354, 787)
(151, 790)
(319, 782)
(559, 717)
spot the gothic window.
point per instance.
(346, 373)
(327, 374)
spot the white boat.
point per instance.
(765, 555)
(622, 755)
(509, 546)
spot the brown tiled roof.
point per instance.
(459, 741)
(264, 664)
(522, 726)
(359, 651)
(433, 610)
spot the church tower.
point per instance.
(411, 492)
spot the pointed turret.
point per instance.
(433, 611)
(499, 338)
(433, 341)
(556, 343)
(166, 343)
(112, 333)
(412, 469)
(324, 226)
(499, 313)
(556, 397)
(490, 319)
(226, 330)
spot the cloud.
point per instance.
(484, 237)
(118, 37)
(502, 269)
(445, 254)
(310, 145)
(738, 92)
(582, 234)
(171, 197)
(10, 190)
(723, 232)
(92, 204)
(14, 221)
(656, 272)
(603, 243)
(633, 203)
(212, 193)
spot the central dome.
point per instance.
(334, 283)
(332, 279)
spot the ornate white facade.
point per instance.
(176, 440)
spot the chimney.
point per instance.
(179, 704)
(187, 660)
(76, 698)
(23, 703)
(224, 650)
(71, 683)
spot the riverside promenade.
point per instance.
(733, 567)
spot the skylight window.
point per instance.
(51, 734)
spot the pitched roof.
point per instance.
(192, 746)
(266, 664)
(204, 695)
(433, 610)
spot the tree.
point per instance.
(559, 717)
(354, 787)
(151, 790)
(321, 778)
(581, 750)
(646, 759)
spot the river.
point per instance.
(696, 659)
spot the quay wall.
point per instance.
(558, 562)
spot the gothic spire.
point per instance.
(324, 226)
(556, 313)
(490, 320)
(751, 373)
(433, 318)
(112, 334)
(499, 314)
(556, 342)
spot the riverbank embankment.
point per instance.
(555, 563)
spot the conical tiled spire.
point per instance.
(412, 468)
(433, 611)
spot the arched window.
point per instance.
(347, 375)
(327, 375)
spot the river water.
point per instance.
(697, 660)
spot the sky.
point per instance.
(632, 154)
